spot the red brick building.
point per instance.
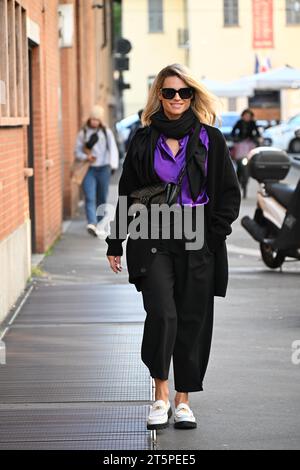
(55, 63)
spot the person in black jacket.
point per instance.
(178, 284)
(137, 125)
(245, 134)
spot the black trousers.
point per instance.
(179, 301)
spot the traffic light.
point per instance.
(123, 47)
(122, 63)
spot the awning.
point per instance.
(228, 89)
(275, 79)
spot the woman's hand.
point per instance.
(91, 158)
(115, 263)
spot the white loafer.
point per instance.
(184, 417)
(159, 415)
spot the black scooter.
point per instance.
(276, 222)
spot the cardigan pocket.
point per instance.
(201, 264)
(199, 259)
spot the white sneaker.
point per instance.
(92, 229)
(184, 417)
(159, 415)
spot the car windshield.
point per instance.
(229, 120)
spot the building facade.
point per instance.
(55, 63)
(158, 38)
(218, 39)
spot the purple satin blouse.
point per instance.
(168, 167)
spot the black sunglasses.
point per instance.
(170, 93)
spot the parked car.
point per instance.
(264, 124)
(228, 120)
(295, 142)
(283, 135)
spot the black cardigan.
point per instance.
(222, 209)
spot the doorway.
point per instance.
(30, 147)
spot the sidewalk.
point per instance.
(74, 378)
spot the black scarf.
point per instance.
(195, 151)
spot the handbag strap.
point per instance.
(180, 178)
(183, 170)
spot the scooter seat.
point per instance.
(281, 192)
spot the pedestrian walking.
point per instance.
(245, 134)
(178, 285)
(96, 144)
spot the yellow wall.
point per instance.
(216, 52)
(150, 51)
(226, 53)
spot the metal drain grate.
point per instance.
(135, 442)
(70, 348)
(61, 392)
(81, 303)
(113, 427)
(87, 363)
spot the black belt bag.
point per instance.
(159, 193)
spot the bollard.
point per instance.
(2, 353)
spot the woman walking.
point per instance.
(103, 156)
(245, 134)
(178, 285)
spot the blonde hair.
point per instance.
(203, 103)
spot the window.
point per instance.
(155, 15)
(231, 12)
(183, 37)
(265, 99)
(292, 12)
(232, 104)
(13, 64)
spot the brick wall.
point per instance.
(78, 86)
(13, 140)
(85, 60)
(13, 187)
(64, 87)
(64, 84)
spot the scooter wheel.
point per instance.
(272, 258)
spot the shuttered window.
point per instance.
(14, 104)
(155, 16)
(231, 12)
(292, 12)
